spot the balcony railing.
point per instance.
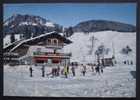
(52, 54)
(55, 45)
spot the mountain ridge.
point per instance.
(27, 24)
(102, 25)
(32, 25)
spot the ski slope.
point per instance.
(79, 48)
(116, 81)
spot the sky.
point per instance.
(69, 14)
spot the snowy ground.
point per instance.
(116, 81)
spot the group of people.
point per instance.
(57, 71)
(65, 71)
(128, 62)
(99, 69)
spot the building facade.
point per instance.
(45, 49)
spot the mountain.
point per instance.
(102, 25)
(29, 25)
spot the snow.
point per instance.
(6, 39)
(81, 41)
(24, 41)
(28, 23)
(49, 24)
(6, 23)
(12, 26)
(9, 20)
(116, 81)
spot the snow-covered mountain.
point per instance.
(27, 20)
(28, 24)
(83, 49)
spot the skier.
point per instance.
(55, 71)
(131, 62)
(97, 69)
(62, 71)
(31, 70)
(73, 70)
(128, 62)
(101, 68)
(115, 62)
(124, 62)
(43, 71)
(83, 69)
(58, 70)
(66, 71)
(92, 67)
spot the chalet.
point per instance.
(107, 62)
(43, 49)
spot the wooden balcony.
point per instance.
(61, 55)
(49, 45)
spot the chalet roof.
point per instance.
(7, 48)
(42, 37)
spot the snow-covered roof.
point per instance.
(11, 45)
(24, 41)
(37, 37)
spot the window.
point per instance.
(48, 41)
(38, 50)
(54, 41)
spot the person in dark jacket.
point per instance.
(55, 71)
(83, 70)
(128, 62)
(97, 69)
(124, 62)
(131, 62)
(43, 71)
(73, 70)
(58, 70)
(101, 69)
(92, 68)
(31, 71)
(66, 71)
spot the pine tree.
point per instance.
(28, 33)
(12, 38)
(69, 31)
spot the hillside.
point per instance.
(103, 25)
(82, 51)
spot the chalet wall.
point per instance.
(22, 50)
